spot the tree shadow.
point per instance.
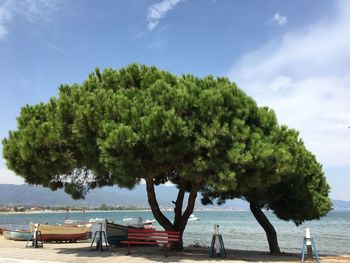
(156, 254)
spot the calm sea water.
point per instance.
(239, 229)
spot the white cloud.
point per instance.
(279, 19)
(3, 32)
(5, 17)
(32, 10)
(9, 177)
(158, 11)
(305, 78)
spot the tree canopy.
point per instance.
(138, 122)
(297, 190)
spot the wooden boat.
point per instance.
(116, 233)
(17, 235)
(62, 233)
(2, 230)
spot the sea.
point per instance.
(239, 229)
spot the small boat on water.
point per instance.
(62, 233)
(193, 218)
(138, 221)
(17, 235)
(97, 220)
(148, 222)
(72, 222)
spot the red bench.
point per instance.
(151, 237)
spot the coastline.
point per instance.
(70, 211)
(239, 229)
(110, 211)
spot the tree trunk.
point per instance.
(267, 226)
(180, 219)
(181, 225)
(152, 200)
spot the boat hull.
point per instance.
(64, 237)
(51, 233)
(17, 235)
(2, 230)
(116, 233)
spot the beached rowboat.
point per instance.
(17, 235)
(62, 233)
(2, 230)
(116, 233)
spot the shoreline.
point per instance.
(70, 211)
(110, 211)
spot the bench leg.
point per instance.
(128, 250)
(165, 250)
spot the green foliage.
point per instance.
(120, 126)
(286, 179)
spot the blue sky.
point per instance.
(293, 56)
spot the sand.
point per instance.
(15, 251)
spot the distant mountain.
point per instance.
(29, 195)
(40, 196)
(341, 205)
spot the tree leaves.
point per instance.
(138, 122)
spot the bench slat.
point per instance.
(152, 231)
(140, 242)
(151, 237)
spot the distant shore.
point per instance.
(107, 211)
(70, 211)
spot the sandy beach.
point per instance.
(15, 251)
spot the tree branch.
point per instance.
(179, 204)
(191, 201)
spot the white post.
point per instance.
(308, 235)
(217, 241)
(308, 243)
(35, 235)
(36, 228)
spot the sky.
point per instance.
(293, 56)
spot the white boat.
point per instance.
(128, 219)
(138, 222)
(116, 233)
(193, 218)
(97, 220)
(149, 222)
(72, 222)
